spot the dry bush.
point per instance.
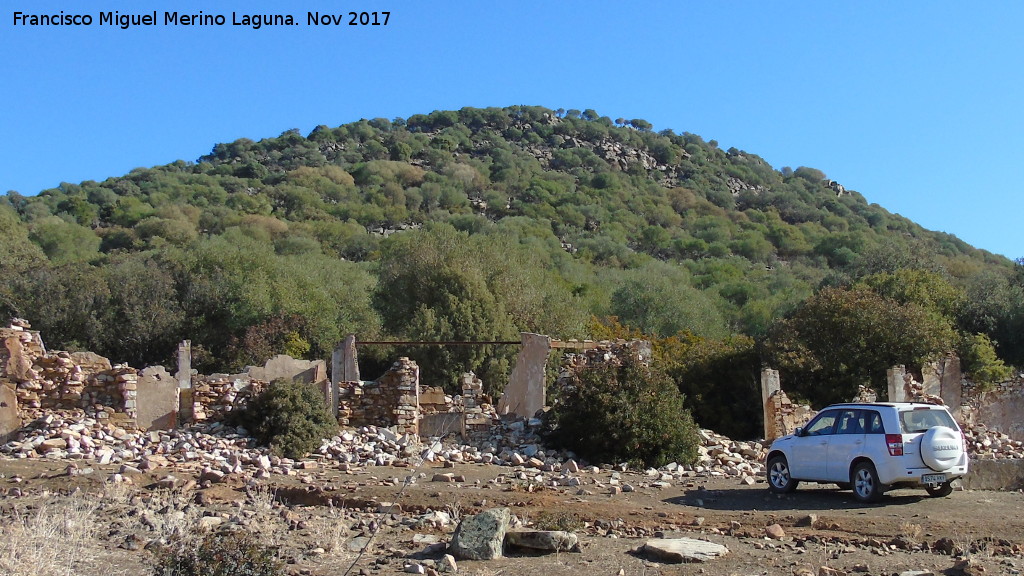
(262, 497)
(558, 520)
(911, 531)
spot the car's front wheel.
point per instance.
(940, 490)
(866, 486)
(780, 480)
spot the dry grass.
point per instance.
(49, 540)
(911, 531)
(262, 498)
(329, 533)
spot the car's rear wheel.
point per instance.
(866, 486)
(940, 490)
(780, 480)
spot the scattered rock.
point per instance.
(775, 532)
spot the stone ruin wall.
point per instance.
(84, 382)
(42, 381)
(45, 381)
(397, 399)
(600, 353)
(1000, 410)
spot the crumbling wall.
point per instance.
(612, 351)
(60, 380)
(391, 400)
(1000, 410)
(478, 413)
(784, 416)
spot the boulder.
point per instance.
(678, 550)
(480, 536)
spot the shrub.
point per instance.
(624, 412)
(979, 361)
(560, 520)
(290, 417)
(233, 554)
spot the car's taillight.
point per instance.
(895, 444)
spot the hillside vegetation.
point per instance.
(477, 224)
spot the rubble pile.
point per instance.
(224, 450)
(983, 443)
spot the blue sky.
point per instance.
(917, 106)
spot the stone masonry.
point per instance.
(391, 400)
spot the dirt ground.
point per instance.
(320, 518)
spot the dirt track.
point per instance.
(823, 525)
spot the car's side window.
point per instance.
(825, 423)
(873, 422)
(851, 422)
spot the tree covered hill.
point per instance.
(477, 224)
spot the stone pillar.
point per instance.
(931, 374)
(951, 383)
(407, 388)
(770, 384)
(526, 392)
(473, 419)
(344, 368)
(896, 377)
(184, 378)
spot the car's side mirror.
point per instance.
(799, 431)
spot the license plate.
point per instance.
(933, 478)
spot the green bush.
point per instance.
(290, 417)
(979, 361)
(233, 554)
(624, 413)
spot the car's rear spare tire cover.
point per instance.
(941, 448)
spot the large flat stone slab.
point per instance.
(678, 550)
(542, 540)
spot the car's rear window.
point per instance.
(921, 419)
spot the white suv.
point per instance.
(872, 447)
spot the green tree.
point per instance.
(431, 287)
(980, 362)
(624, 412)
(64, 241)
(658, 299)
(841, 338)
(17, 251)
